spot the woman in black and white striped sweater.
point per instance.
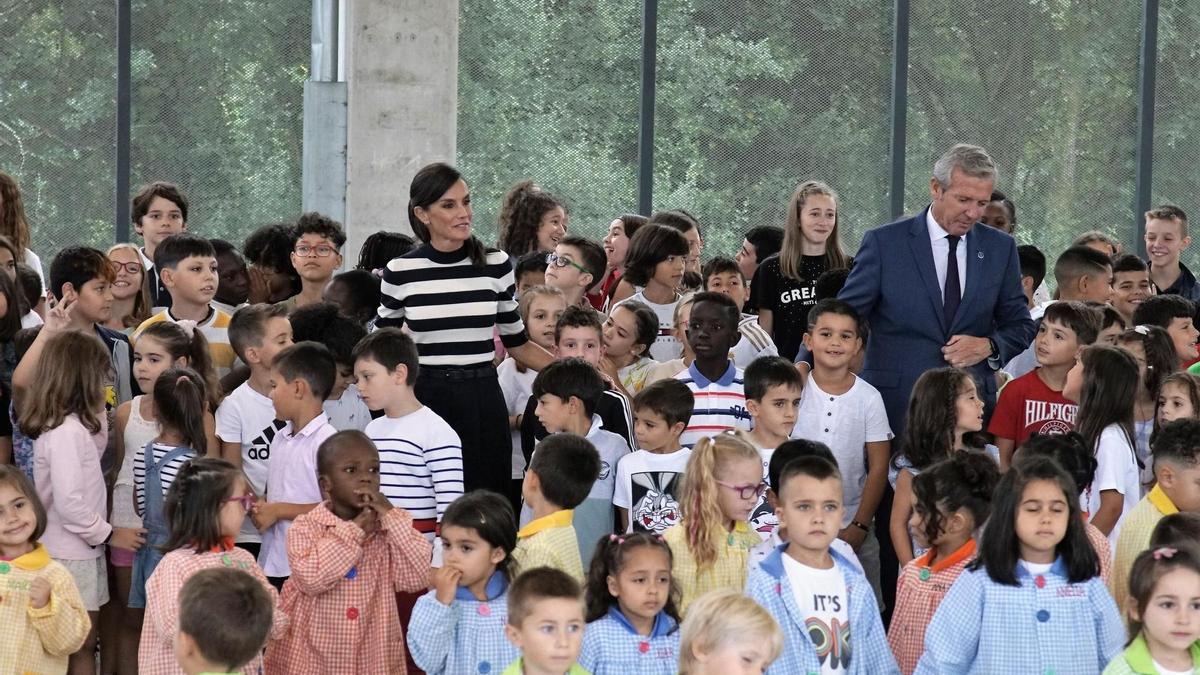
(452, 292)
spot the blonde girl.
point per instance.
(785, 284)
(727, 632)
(63, 411)
(711, 545)
(131, 295)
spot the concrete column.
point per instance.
(402, 78)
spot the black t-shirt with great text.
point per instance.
(787, 299)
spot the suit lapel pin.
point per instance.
(979, 254)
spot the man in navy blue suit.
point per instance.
(939, 288)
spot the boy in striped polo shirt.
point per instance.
(714, 380)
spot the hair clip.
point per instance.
(1142, 329)
(1164, 552)
(188, 326)
(619, 540)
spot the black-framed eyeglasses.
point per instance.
(304, 251)
(563, 261)
(745, 491)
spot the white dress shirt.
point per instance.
(941, 246)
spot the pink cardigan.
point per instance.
(68, 479)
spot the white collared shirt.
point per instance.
(941, 246)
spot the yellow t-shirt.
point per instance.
(215, 329)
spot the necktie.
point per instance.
(952, 294)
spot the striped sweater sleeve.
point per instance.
(391, 298)
(508, 316)
(443, 456)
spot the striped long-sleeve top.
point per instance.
(451, 306)
(420, 462)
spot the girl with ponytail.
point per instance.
(162, 346)
(180, 398)
(711, 545)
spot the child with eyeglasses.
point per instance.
(711, 545)
(316, 255)
(205, 508)
(575, 265)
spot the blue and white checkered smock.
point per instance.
(769, 586)
(611, 646)
(465, 637)
(1044, 625)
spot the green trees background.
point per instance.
(754, 96)
(216, 108)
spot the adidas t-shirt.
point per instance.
(247, 417)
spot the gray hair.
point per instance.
(972, 160)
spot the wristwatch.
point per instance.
(994, 357)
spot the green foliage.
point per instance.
(217, 107)
(755, 96)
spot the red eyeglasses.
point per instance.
(745, 491)
(247, 500)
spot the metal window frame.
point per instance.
(898, 112)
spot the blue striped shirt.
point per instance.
(420, 462)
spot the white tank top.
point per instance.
(138, 432)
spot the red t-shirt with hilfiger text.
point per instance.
(1027, 406)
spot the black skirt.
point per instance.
(470, 400)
